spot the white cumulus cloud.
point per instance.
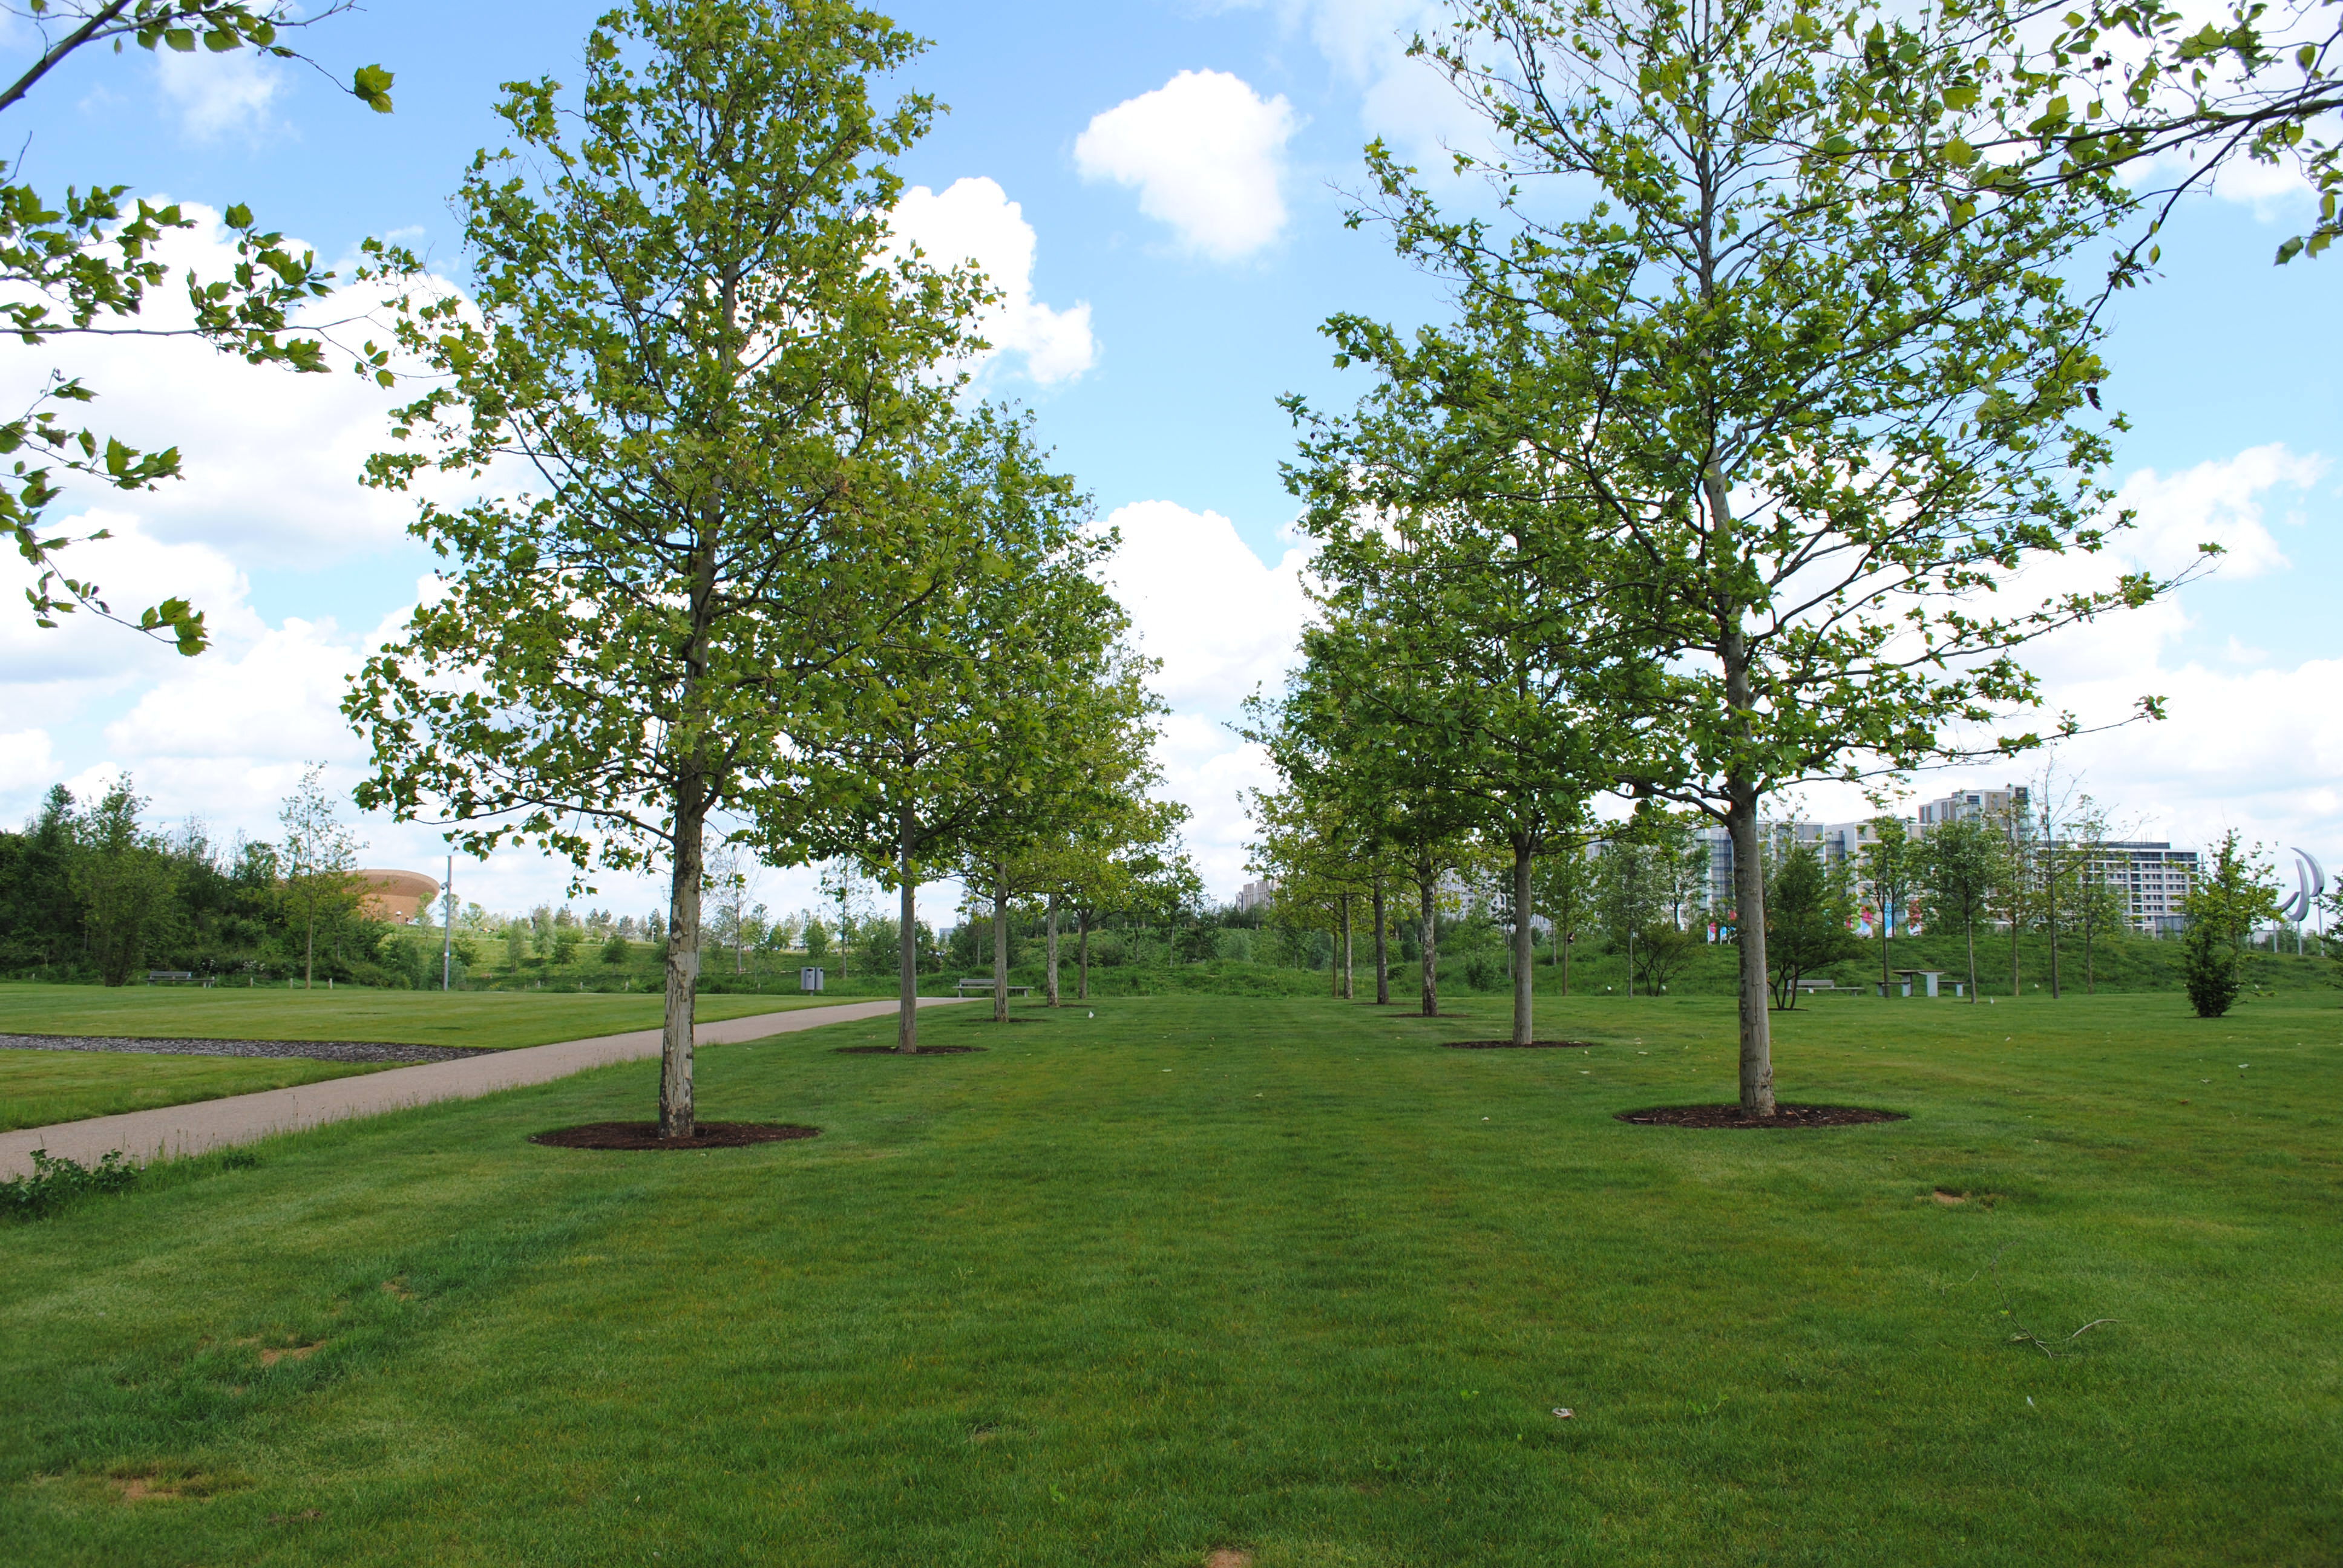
(1225, 623)
(1207, 156)
(214, 95)
(973, 221)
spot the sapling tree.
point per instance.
(1812, 420)
(707, 381)
(2232, 896)
(318, 855)
(1887, 864)
(1956, 867)
(1807, 911)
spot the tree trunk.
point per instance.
(1749, 926)
(1382, 949)
(1426, 887)
(1566, 943)
(1053, 950)
(309, 958)
(1524, 991)
(682, 958)
(1969, 924)
(2050, 914)
(1081, 955)
(999, 948)
(1885, 938)
(1346, 947)
(907, 1016)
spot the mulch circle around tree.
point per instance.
(1511, 1045)
(924, 1051)
(1785, 1118)
(644, 1135)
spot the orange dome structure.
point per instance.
(396, 896)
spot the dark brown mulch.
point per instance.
(924, 1051)
(645, 1135)
(1509, 1045)
(1785, 1117)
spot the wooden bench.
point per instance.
(155, 975)
(984, 983)
(1807, 985)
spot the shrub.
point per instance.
(54, 1183)
(2210, 967)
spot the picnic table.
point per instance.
(1926, 977)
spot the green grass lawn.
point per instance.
(1276, 1276)
(400, 1017)
(41, 1087)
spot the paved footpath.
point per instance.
(176, 1129)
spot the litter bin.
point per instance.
(808, 980)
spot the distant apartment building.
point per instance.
(2154, 877)
(1974, 805)
(1255, 896)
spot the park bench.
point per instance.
(1807, 985)
(153, 975)
(984, 983)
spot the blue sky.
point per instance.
(1177, 171)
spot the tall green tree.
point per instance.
(1811, 416)
(123, 878)
(691, 338)
(1450, 629)
(1002, 710)
(86, 265)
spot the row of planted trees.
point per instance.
(774, 579)
(1760, 394)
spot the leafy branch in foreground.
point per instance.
(84, 265)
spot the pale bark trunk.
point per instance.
(1749, 925)
(1054, 950)
(309, 961)
(1081, 955)
(907, 1016)
(1525, 968)
(1382, 949)
(1969, 926)
(2050, 916)
(676, 1115)
(1000, 950)
(1346, 947)
(1430, 944)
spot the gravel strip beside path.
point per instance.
(207, 1124)
(313, 1050)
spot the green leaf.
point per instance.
(372, 85)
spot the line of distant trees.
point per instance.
(89, 891)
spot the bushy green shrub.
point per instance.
(55, 1183)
